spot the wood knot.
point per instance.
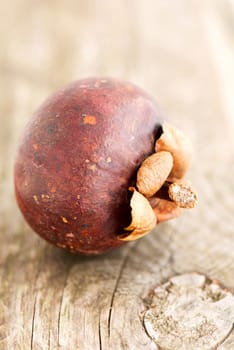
(189, 311)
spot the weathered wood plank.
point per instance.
(50, 299)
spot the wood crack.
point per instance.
(225, 338)
(49, 336)
(124, 262)
(35, 300)
(61, 301)
(33, 321)
(99, 333)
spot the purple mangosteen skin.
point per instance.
(77, 158)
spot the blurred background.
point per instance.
(181, 52)
(169, 48)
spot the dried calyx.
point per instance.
(153, 173)
(143, 217)
(161, 192)
(174, 141)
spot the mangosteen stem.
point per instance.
(181, 194)
(163, 192)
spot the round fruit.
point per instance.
(77, 158)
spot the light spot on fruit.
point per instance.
(53, 189)
(92, 167)
(108, 160)
(89, 119)
(70, 235)
(64, 219)
(78, 196)
(43, 196)
(75, 217)
(60, 245)
(87, 161)
(35, 146)
(37, 165)
(35, 199)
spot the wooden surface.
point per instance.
(182, 53)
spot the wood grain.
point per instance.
(176, 50)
